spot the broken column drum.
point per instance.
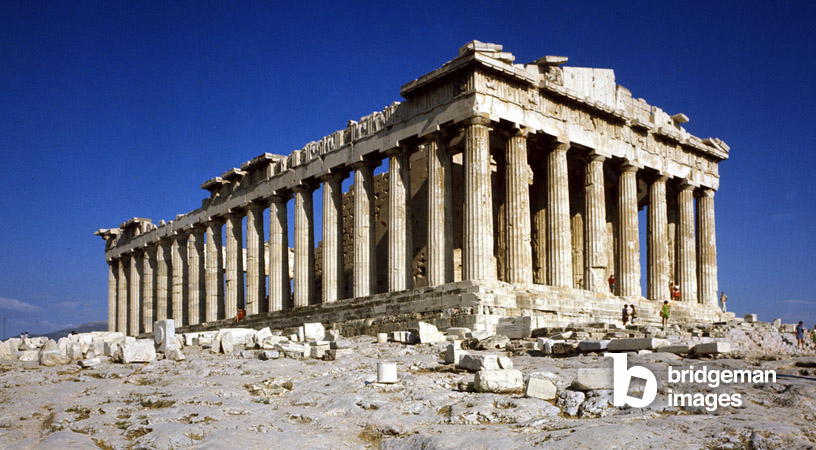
(564, 155)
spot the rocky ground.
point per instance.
(236, 400)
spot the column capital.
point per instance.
(280, 196)
(595, 156)
(686, 184)
(628, 167)
(398, 151)
(513, 130)
(304, 186)
(256, 205)
(707, 192)
(334, 174)
(482, 119)
(365, 164)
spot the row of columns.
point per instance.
(188, 266)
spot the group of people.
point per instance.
(24, 335)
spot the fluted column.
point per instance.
(214, 263)
(134, 300)
(477, 261)
(658, 241)
(440, 217)
(629, 270)
(148, 286)
(332, 237)
(559, 238)
(399, 238)
(278, 253)
(539, 217)
(519, 259)
(363, 275)
(179, 278)
(122, 297)
(163, 272)
(234, 276)
(595, 242)
(707, 248)
(256, 266)
(686, 254)
(112, 291)
(304, 246)
(195, 275)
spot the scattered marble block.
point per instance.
(265, 355)
(141, 350)
(477, 363)
(259, 336)
(227, 345)
(712, 348)
(593, 346)
(500, 381)
(90, 362)
(74, 351)
(340, 344)
(632, 345)
(50, 358)
(517, 328)
(590, 379)
(505, 362)
(404, 337)
(750, 318)
(459, 332)
(570, 401)
(777, 323)
(174, 354)
(493, 342)
(479, 334)
(332, 335)
(428, 333)
(563, 348)
(164, 334)
(540, 389)
(318, 351)
(5, 353)
(562, 336)
(313, 331)
(677, 349)
(453, 354)
(336, 353)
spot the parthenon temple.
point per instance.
(495, 190)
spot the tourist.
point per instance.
(239, 316)
(611, 283)
(625, 314)
(723, 298)
(22, 335)
(665, 313)
(813, 334)
(800, 336)
(675, 291)
(634, 315)
(27, 335)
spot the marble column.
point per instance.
(539, 219)
(658, 241)
(399, 237)
(196, 275)
(628, 276)
(163, 272)
(332, 284)
(304, 246)
(135, 287)
(707, 248)
(234, 276)
(595, 242)
(122, 297)
(363, 268)
(559, 238)
(179, 278)
(519, 258)
(440, 212)
(686, 254)
(148, 286)
(214, 263)
(278, 253)
(477, 259)
(112, 291)
(256, 265)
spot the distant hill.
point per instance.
(84, 328)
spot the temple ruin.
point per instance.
(511, 190)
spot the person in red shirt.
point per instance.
(240, 315)
(611, 283)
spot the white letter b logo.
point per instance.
(622, 377)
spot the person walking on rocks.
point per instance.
(723, 298)
(625, 314)
(634, 315)
(665, 313)
(800, 336)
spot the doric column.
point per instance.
(539, 236)
(134, 299)
(179, 278)
(163, 272)
(196, 275)
(595, 242)
(332, 236)
(519, 259)
(559, 239)
(629, 270)
(278, 253)
(148, 286)
(214, 263)
(686, 255)
(363, 268)
(658, 241)
(440, 217)
(256, 266)
(707, 248)
(122, 296)
(112, 291)
(477, 260)
(234, 276)
(304, 246)
(399, 238)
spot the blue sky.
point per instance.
(110, 110)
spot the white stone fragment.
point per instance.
(593, 346)
(90, 362)
(174, 354)
(540, 388)
(458, 332)
(429, 334)
(589, 379)
(750, 318)
(475, 363)
(141, 350)
(453, 354)
(712, 348)
(164, 334)
(313, 331)
(630, 345)
(505, 362)
(387, 372)
(677, 349)
(498, 381)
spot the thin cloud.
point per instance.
(68, 304)
(796, 302)
(10, 304)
